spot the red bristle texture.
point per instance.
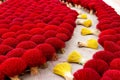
(58, 18)
(108, 32)
(113, 74)
(46, 19)
(64, 30)
(115, 64)
(22, 32)
(38, 39)
(117, 29)
(2, 76)
(2, 58)
(104, 55)
(35, 31)
(67, 26)
(104, 21)
(33, 15)
(62, 36)
(117, 36)
(4, 26)
(86, 74)
(4, 49)
(37, 21)
(10, 41)
(117, 54)
(111, 46)
(51, 27)
(92, 4)
(105, 78)
(118, 42)
(34, 58)
(40, 17)
(47, 50)
(8, 35)
(4, 21)
(71, 21)
(15, 23)
(98, 65)
(50, 33)
(13, 66)
(104, 38)
(3, 30)
(102, 27)
(54, 22)
(28, 26)
(15, 28)
(17, 52)
(1, 40)
(56, 43)
(115, 24)
(41, 25)
(26, 45)
(71, 16)
(18, 19)
(23, 37)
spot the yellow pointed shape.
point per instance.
(82, 16)
(87, 23)
(92, 43)
(74, 57)
(86, 31)
(63, 69)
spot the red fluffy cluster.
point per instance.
(56, 43)
(4, 49)
(10, 42)
(104, 55)
(31, 31)
(1, 75)
(98, 65)
(48, 50)
(38, 39)
(26, 45)
(111, 46)
(2, 58)
(11, 70)
(17, 52)
(34, 57)
(86, 74)
(105, 78)
(105, 62)
(115, 64)
(112, 74)
(35, 33)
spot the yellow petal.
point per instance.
(86, 31)
(84, 16)
(62, 68)
(92, 43)
(87, 23)
(74, 57)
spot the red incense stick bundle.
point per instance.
(86, 74)
(34, 58)
(13, 67)
(98, 65)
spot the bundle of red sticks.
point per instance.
(31, 33)
(104, 63)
